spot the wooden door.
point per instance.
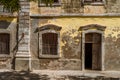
(96, 52)
(4, 43)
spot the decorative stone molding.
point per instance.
(92, 26)
(50, 28)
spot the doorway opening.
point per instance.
(92, 51)
(88, 55)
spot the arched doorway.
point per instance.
(92, 36)
(92, 50)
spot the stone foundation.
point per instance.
(54, 64)
(22, 64)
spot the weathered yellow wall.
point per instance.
(8, 19)
(87, 9)
(67, 24)
(70, 38)
(35, 9)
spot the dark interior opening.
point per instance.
(88, 55)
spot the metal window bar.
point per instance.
(49, 44)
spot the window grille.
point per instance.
(49, 44)
(4, 43)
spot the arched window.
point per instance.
(49, 41)
(4, 43)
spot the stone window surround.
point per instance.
(59, 4)
(6, 32)
(55, 30)
(93, 28)
(54, 4)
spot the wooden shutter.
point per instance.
(96, 52)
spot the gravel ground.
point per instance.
(59, 75)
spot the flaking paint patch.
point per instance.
(71, 37)
(9, 19)
(74, 23)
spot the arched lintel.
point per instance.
(49, 27)
(92, 26)
(93, 31)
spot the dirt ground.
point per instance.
(55, 75)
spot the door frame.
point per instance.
(102, 47)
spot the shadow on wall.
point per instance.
(4, 24)
(22, 75)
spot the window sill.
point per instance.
(4, 56)
(49, 56)
(95, 4)
(53, 5)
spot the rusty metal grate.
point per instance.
(49, 43)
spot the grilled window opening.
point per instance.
(49, 44)
(4, 43)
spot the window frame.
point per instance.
(53, 5)
(93, 28)
(41, 55)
